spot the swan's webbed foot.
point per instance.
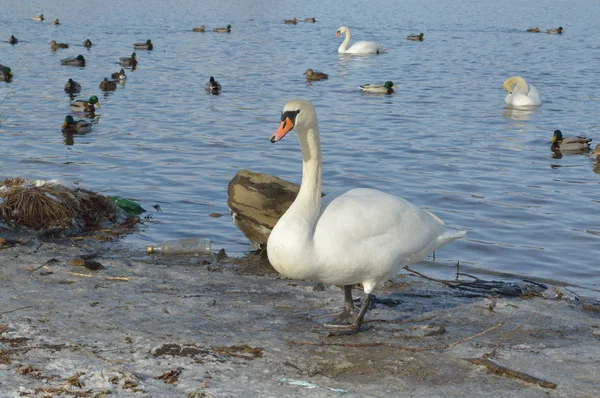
(354, 327)
(348, 314)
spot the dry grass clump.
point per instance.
(52, 205)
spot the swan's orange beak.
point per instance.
(337, 34)
(283, 129)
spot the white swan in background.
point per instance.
(520, 93)
(360, 47)
(359, 236)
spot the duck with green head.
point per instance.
(73, 126)
(223, 30)
(56, 22)
(555, 31)
(77, 61)
(212, 86)
(5, 74)
(38, 18)
(72, 87)
(87, 43)
(418, 37)
(386, 88)
(144, 46)
(13, 40)
(128, 61)
(573, 144)
(85, 106)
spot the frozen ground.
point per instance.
(228, 329)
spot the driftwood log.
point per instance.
(257, 201)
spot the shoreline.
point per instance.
(193, 327)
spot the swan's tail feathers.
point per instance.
(449, 236)
(381, 50)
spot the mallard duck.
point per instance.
(555, 31)
(5, 74)
(223, 30)
(108, 85)
(534, 30)
(212, 86)
(291, 21)
(570, 143)
(54, 45)
(119, 75)
(309, 20)
(73, 126)
(144, 46)
(87, 43)
(38, 18)
(418, 37)
(77, 61)
(596, 153)
(72, 87)
(13, 40)
(386, 88)
(520, 93)
(200, 29)
(56, 22)
(128, 61)
(312, 75)
(85, 106)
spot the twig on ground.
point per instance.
(16, 309)
(112, 278)
(504, 371)
(428, 277)
(491, 353)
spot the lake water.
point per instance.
(444, 141)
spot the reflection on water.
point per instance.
(520, 113)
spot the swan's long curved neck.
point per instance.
(344, 46)
(307, 205)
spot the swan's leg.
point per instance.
(346, 317)
(355, 326)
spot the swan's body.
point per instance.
(578, 143)
(359, 236)
(87, 43)
(119, 75)
(387, 88)
(73, 126)
(72, 86)
(312, 75)
(85, 106)
(212, 86)
(54, 45)
(77, 61)
(128, 61)
(360, 47)
(520, 93)
(144, 46)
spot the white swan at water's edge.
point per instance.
(359, 236)
(520, 93)
(360, 47)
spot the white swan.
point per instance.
(520, 93)
(360, 47)
(359, 236)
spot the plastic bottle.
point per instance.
(182, 246)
